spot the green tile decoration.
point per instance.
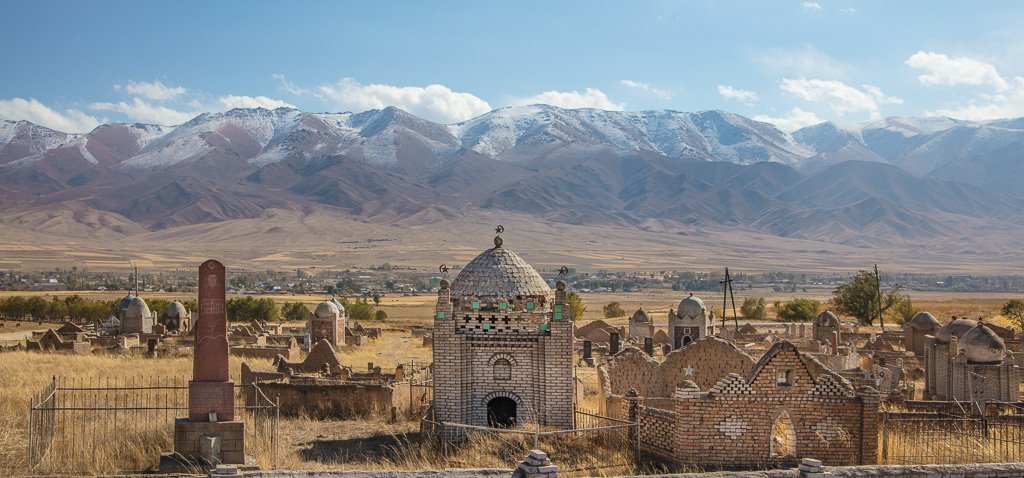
(504, 306)
(529, 305)
(440, 315)
(558, 316)
(558, 308)
(476, 304)
(487, 326)
(544, 327)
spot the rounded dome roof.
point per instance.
(175, 309)
(338, 304)
(826, 319)
(640, 315)
(137, 308)
(691, 307)
(923, 321)
(327, 310)
(981, 345)
(956, 327)
(125, 301)
(500, 272)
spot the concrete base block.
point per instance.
(207, 444)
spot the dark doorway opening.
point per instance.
(687, 340)
(501, 412)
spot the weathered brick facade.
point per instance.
(784, 409)
(501, 340)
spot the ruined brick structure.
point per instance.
(787, 407)
(502, 346)
(690, 322)
(704, 362)
(967, 360)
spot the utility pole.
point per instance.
(726, 293)
(878, 291)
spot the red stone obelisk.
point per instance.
(210, 435)
(211, 390)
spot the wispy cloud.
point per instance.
(796, 119)
(811, 6)
(589, 98)
(154, 90)
(736, 94)
(143, 111)
(233, 101)
(660, 93)
(804, 61)
(848, 10)
(68, 121)
(839, 96)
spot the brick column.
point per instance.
(869, 426)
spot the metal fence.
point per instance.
(913, 438)
(110, 425)
(597, 445)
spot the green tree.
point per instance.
(612, 310)
(247, 309)
(358, 309)
(376, 299)
(294, 311)
(380, 315)
(903, 310)
(797, 310)
(1014, 310)
(576, 305)
(754, 308)
(859, 297)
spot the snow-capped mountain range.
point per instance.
(576, 166)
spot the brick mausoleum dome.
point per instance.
(981, 345)
(327, 310)
(137, 308)
(826, 319)
(923, 321)
(500, 273)
(691, 307)
(175, 309)
(640, 316)
(956, 327)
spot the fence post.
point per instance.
(885, 438)
(31, 427)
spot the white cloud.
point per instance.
(155, 90)
(232, 101)
(1005, 101)
(144, 112)
(660, 93)
(839, 96)
(812, 6)
(68, 121)
(743, 96)
(433, 102)
(589, 98)
(943, 70)
(796, 119)
(848, 10)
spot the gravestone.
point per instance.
(613, 343)
(151, 344)
(649, 346)
(210, 435)
(588, 352)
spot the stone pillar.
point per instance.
(210, 435)
(211, 390)
(649, 346)
(632, 404)
(613, 343)
(588, 348)
(869, 426)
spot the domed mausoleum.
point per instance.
(690, 323)
(327, 323)
(968, 360)
(502, 346)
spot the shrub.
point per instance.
(754, 308)
(613, 309)
(797, 310)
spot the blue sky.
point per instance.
(73, 64)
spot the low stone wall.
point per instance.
(454, 473)
(657, 431)
(341, 400)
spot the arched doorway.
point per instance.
(501, 412)
(783, 439)
(686, 340)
